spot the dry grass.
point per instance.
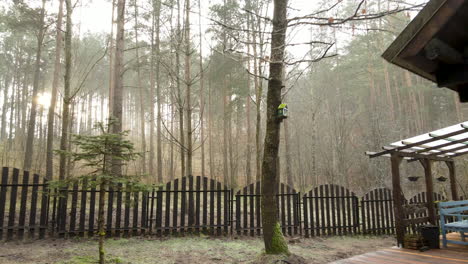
(184, 250)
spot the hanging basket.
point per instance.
(441, 178)
(413, 178)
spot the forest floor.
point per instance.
(185, 250)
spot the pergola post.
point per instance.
(427, 164)
(453, 181)
(397, 198)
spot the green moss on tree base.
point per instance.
(278, 243)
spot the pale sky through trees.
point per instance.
(95, 16)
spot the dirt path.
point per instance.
(193, 250)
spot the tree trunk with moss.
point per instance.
(272, 236)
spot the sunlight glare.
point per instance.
(43, 99)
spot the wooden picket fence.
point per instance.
(30, 208)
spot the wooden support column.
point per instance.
(397, 198)
(453, 180)
(427, 164)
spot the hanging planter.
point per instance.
(441, 178)
(413, 178)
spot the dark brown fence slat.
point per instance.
(183, 205)
(22, 213)
(218, 209)
(110, 209)
(319, 214)
(349, 214)
(297, 213)
(74, 204)
(92, 211)
(344, 230)
(288, 208)
(159, 209)
(84, 187)
(62, 211)
(328, 210)
(212, 204)
(12, 211)
(355, 214)
(387, 212)
(258, 211)
(190, 204)
(136, 197)
(128, 201)
(144, 206)
(226, 209)
(332, 204)
(3, 192)
(175, 206)
(322, 213)
(378, 210)
(44, 209)
(252, 209)
(282, 207)
(152, 215)
(382, 212)
(118, 208)
(33, 210)
(197, 203)
(238, 213)
(373, 213)
(339, 199)
(205, 204)
(364, 212)
(167, 218)
(306, 216)
(245, 224)
(54, 220)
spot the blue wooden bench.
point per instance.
(454, 209)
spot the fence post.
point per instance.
(3, 191)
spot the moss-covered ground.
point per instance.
(196, 249)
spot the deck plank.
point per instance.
(454, 254)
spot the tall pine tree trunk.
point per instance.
(179, 94)
(158, 95)
(117, 104)
(141, 95)
(188, 91)
(66, 92)
(202, 95)
(5, 106)
(33, 113)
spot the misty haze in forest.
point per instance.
(193, 82)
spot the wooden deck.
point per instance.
(454, 254)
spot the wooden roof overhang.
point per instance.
(439, 145)
(434, 45)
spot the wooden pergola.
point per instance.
(434, 45)
(441, 145)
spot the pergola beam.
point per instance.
(451, 142)
(398, 149)
(446, 151)
(421, 156)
